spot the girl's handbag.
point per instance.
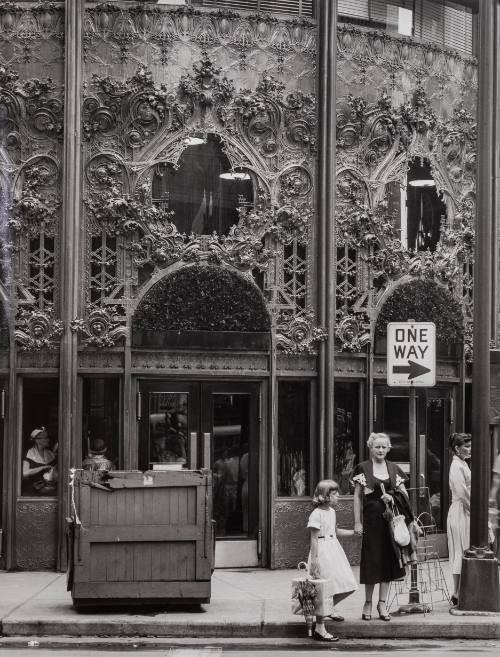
(310, 596)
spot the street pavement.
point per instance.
(347, 647)
(253, 603)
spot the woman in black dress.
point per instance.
(380, 559)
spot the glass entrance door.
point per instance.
(419, 430)
(214, 425)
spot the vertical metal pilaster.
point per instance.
(70, 257)
(327, 24)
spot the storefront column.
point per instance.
(327, 23)
(479, 590)
(70, 258)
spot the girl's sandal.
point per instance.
(364, 615)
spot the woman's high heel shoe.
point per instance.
(364, 615)
(386, 616)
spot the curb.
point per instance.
(396, 629)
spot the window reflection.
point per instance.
(201, 200)
(346, 434)
(168, 416)
(235, 467)
(293, 438)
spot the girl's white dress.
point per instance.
(333, 563)
(458, 524)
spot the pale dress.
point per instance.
(333, 563)
(458, 524)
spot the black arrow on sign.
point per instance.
(412, 369)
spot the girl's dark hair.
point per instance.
(323, 490)
(459, 439)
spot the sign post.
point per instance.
(411, 354)
(411, 361)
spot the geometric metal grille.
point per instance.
(41, 265)
(103, 267)
(347, 276)
(295, 274)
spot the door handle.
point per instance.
(193, 441)
(206, 450)
(138, 407)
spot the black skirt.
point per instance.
(379, 559)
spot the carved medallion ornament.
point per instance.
(36, 329)
(132, 127)
(375, 145)
(102, 328)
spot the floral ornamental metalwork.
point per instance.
(299, 335)
(36, 208)
(375, 143)
(264, 131)
(31, 141)
(37, 329)
(102, 328)
(154, 32)
(353, 330)
(205, 87)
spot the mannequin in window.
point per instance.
(40, 465)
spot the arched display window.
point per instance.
(204, 191)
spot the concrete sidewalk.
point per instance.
(245, 603)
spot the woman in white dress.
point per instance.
(458, 525)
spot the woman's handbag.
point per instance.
(397, 523)
(310, 596)
(399, 529)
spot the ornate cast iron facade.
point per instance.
(30, 176)
(134, 125)
(425, 110)
(221, 73)
(152, 77)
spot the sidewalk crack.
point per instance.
(12, 611)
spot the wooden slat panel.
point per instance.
(121, 533)
(138, 590)
(147, 562)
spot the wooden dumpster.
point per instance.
(140, 537)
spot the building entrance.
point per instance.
(212, 425)
(419, 423)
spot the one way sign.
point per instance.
(411, 354)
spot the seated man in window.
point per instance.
(97, 459)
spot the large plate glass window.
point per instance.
(39, 443)
(101, 424)
(346, 434)
(293, 456)
(202, 192)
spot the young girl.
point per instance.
(327, 559)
